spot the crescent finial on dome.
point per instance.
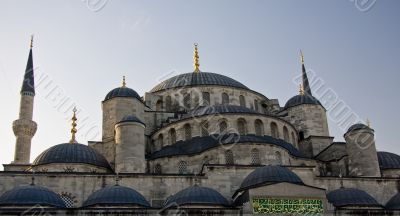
(196, 59)
(73, 130)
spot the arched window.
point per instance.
(293, 139)
(186, 101)
(301, 135)
(204, 128)
(225, 98)
(286, 134)
(223, 127)
(172, 136)
(160, 141)
(206, 99)
(157, 169)
(168, 103)
(255, 157)
(256, 105)
(159, 105)
(242, 101)
(241, 126)
(274, 130)
(229, 157)
(259, 127)
(278, 158)
(182, 167)
(187, 129)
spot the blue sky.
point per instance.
(83, 48)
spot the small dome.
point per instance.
(394, 202)
(358, 126)
(131, 118)
(198, 79)
(122, 92)
(219, 109)
(269, 174)
(116, 196)
(31, 195)
(351, 197)
(71, 153)
(302, 99)
(197, 195)
(388, 160)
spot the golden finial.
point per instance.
(301, 89)
(196, 59)
(73, 130)
(123, 81)
(368, 123)
(301, 57)
(31, 45)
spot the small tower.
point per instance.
(24, 128)
(130, 145)
(360, 147)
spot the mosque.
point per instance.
(201, 143)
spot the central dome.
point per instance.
(196, 79)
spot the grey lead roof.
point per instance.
(394, 202)
(31, 195)
(195, 79)
(200, 144)
(197, 195)
(71, 153)
(116, 195)
(388, 160)
(302, 99)
(269, 175)
(28, 84)
(131, 118)
(122, 92)
(344, 197)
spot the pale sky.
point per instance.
(82, 49)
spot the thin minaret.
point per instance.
(24, 128)
(306, 84)
(196, 59)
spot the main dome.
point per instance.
(196, 79)
(71, 153)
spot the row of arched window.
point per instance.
(223, 129)
(229, 160)
(187, 101)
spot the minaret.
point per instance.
(24, 128)
(306, 84)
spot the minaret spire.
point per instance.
(73, 130)
(24, 128)
(306, 84)
(196, 59)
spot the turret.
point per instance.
(24, 128)
(130, 145)
(360, 147)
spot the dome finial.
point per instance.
(73, 130)
(31, 44)
(123, 82)
(196, 59)
(117, 179)
(33, 178)
(301, 89)
(368, 123)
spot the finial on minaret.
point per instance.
(301, 89)
(31, 45)
(196, 59)
(117, 179)
(33, 178)
(73, 130)
(123, 82)
(301, 57)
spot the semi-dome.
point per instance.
(302, 99)
(131, 118)
(197, 195)
(116, 196)
(388, 160)
(122, 92)
(219, 109)
(31, 195)
(347, 197)
(358, 126)
(198, 79)
(394, 202)
(72, 153)
(269, 175)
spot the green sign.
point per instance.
(287, 206)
